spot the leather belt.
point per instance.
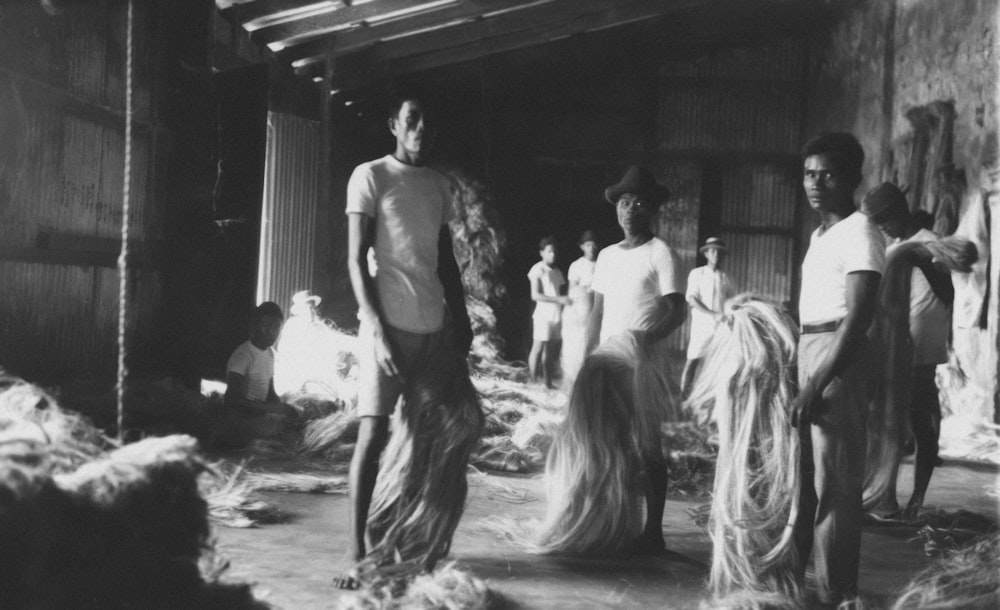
(825, 327)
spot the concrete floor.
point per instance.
(291, 564)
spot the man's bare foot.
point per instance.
(348, 581)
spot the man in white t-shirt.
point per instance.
(931, 295)
(547, 284)
(581, 296)
(638, 287)
(252, 408)
(840, 280)
(708, 288)
(400, 208)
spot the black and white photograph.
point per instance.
(499, 304)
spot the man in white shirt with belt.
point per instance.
(840, 280)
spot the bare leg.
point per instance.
(551, 349)
(372, 435)
(925, 421)
(535, 359)
(651, 541)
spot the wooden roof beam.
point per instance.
(360, 38)
(405, 56)
(342, 20)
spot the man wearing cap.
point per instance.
(638, 287)
(840, 280)
(708, 288)
(931, 294)
(580, 277)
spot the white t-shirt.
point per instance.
(712, 288)
(581, 276)
(581, 272)
(552, 281)
(256, 366)
(929, 316)
(632, 281)
(853, 244)
(409, 205)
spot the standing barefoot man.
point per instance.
(401, 209)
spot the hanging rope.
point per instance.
(123, 256)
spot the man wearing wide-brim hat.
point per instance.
(638, 300)
(708, 288)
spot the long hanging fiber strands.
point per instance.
(891, 337)
(421, 489)
(595, 468)
(747, 381)
(968, 579)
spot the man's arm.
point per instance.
(670, 313)
(236, 391)
(454, 293)
(938, 276)
(593, 332)
(862, 296)
(696, 303)
(361, 237)
(539, 296)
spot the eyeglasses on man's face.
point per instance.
(627, 202)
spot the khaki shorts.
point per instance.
(378, 393)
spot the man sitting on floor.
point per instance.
(252, 408)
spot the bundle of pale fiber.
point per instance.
(123, 531)
(447, 587)
(520, 424)
(595, 468)
(421, 487)
(746, 381)
(967, 579)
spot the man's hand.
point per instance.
(804, 407)
(383, 351)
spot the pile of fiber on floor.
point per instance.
(964, 579)
(125, 530)
(944, 532)
(447, 587)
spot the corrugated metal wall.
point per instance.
(291, 195)
(739, 113)
(63, 84)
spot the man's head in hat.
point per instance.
(636, 198)
(887, 207)
(831, 171)
(588, 245)
(714, 250)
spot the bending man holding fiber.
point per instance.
(930, 297)
(607, 455)
(399, 207)
(840, 282)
